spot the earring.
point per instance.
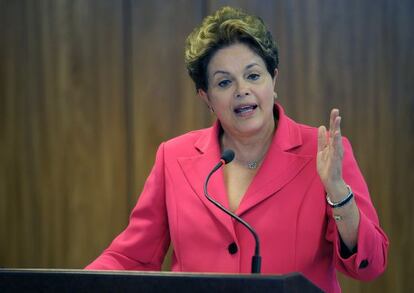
(211, 109)
(275, 95)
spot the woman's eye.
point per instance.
(253, 76)
(224, 83)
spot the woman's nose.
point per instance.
(242, 90)
(242, 94)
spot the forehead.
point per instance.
(233, 58)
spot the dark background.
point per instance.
(88, 89)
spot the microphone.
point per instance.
(226, 157)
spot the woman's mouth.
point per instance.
(243, 110)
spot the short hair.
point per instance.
(225, 27)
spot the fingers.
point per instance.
(322, 139)
(337, 137)
(334, 137)
(333, 122)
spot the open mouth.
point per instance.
(243, 109)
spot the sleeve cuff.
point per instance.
(344, 250)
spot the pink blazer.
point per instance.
(285, 203)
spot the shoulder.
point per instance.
(308, 133)
(185, 144)
(309, 137)
(189, 138)
(305, 135)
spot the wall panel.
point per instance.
(63, 135)
(163, 100)
(88, 90)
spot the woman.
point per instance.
(298, 186)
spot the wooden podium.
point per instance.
(42, 280)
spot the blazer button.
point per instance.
(363, 264)
(232, 248)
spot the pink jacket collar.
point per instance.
(287, 135)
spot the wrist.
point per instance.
(343, 201)
(337, 190)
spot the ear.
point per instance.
(204, 96)
(275, 77)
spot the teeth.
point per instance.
(245, 109)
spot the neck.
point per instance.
(250, 150)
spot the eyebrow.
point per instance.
(226, 72)
(251, 65)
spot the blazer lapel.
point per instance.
(196, 169)
(278, 170)
(279, 166)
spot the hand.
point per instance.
(330, 155)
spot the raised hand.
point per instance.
(330, 154)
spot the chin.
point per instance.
(251, 128)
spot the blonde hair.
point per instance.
(223, 28)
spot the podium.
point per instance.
(45, 280)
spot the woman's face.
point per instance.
(240, 91)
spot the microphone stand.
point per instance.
(256, 259)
